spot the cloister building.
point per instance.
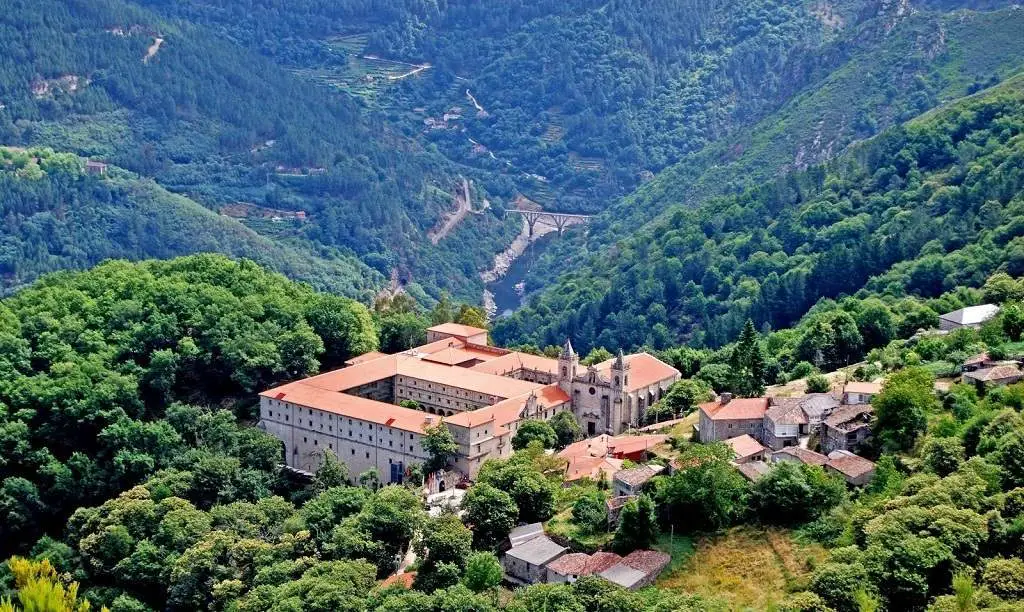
(479, 392)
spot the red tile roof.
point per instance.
(647, 561)
(365, 357)
(644, 370)
(736, 408)
(451, 356)
(352, 406)
(849, 464)
(582, 564)
(405, 580)
(803, 455)
(745, 446)
(515, 361)
(595, 468)
(457, 329)
(869, 388)
(604, 444)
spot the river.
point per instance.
(503, 290)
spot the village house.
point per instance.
(994, 376)
(573, 566)
(856, 470)
(95, 167)
(753, 470)
(784, 424)
(638, 569)
(522, 533)
(860, 392)
(972, 316)
(634, 448)
(525, 563)
(846, 428)
(598, 469)
(479, 392)
(799, 454)
(977, 362)
(614, 506)
(632, 481)
(727, 417)
(746, 448)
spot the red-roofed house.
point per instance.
(570, 568)
(746, 448)
(728, 417)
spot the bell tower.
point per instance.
(568, 363)
(622, 409)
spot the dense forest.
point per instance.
(57, 216)
(921, 209)
(322, 108)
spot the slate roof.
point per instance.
(634, 477)
(536, 551)
(788, 412)
(850, 417)
(972, 315)
(521, 534)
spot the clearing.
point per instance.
(747, 567)
(153, 49)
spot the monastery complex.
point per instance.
(480, 392)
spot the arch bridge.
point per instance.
(559, 220)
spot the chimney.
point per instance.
(428, 419)
(725, 398)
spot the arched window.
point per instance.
(616, 381)
(565, 371)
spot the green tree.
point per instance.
(40, 588)
(708, 493)
(943, 456)
(638, 526)
(684, 396)
(440, 446)
(837, 584)
(818, 383)
(491, 514)
(567, 428)
(534, 430)
(472, 316)
(1005, 578)
(902, 407)
(331, 473)
(532, 490)
(445, 542)
(794, 493)
(1012, 317)
(747, 363)
(483, 572)
(589, 512)
(443, 311)
(596, 355)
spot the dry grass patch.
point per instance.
(747, 567)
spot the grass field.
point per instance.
(750, 568)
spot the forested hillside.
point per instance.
(220, 123)
(57, 216)
(895, 69)
(113, 374)
(921, 209)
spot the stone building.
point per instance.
(846, 428)
(481, 393)
(727, 418)
(612, 396)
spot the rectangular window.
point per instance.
(367, 455)
(353, 451)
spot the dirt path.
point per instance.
(475, 103)
(416, 70)
(153, 49)
(463, 206)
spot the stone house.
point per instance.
(746, 448)
(972, 316)
(784, 425)
(638, 569)
(632, 481)
(573, 566)
(727, 418)
(860, 392)
(799, 455)
(847, 428)
(614, 506)
(856, 470)
(526, 562)
(995, 376)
